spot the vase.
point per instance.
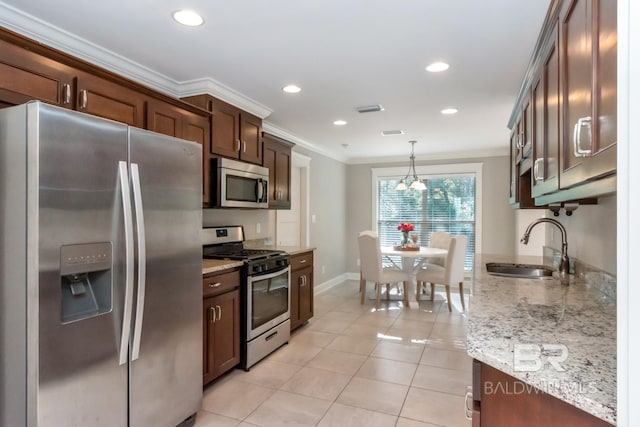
(405, 239)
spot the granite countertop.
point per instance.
(577, 320)
(215, 265)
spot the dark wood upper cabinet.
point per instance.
(546, 119)
(277, 158)
(169, 119)
(588, 56)
(567, 107)
(225, 140)
(251, 138)
(110, 100)
(26, 76)
(236, 133)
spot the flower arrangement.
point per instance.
(405, 228)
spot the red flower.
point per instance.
(406, 226)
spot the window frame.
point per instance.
(431, 171)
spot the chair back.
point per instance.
(370, 256)
(440, 240)
(454, 265)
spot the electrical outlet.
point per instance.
(358, 262)
(322, 269)
(258, 227)
(313, 219)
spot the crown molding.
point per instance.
(225, 93)
(279, 132)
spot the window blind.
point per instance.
(448, 204)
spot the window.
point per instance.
(450, 203)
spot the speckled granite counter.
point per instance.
(213, 265)
(509, 311)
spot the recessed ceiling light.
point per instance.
(449, 111)
(188, 18)
(437, 67)
(340, 122)
(291, 89)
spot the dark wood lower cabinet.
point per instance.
(502, 400)
(301, 288)
(221, 324)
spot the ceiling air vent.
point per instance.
(369, 108)
(392, 132)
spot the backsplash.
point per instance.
(597, 279)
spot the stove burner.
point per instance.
(239, 253)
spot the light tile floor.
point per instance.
(354, 366)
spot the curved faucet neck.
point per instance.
(563, 231)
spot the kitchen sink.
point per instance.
(527, 271)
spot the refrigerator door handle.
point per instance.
(142, 260)
(128, 239)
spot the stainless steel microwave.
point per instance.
(237, 184)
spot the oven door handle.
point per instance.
(269, 275)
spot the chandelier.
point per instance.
(413, 181)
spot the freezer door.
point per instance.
(81, 269)
(166, 365)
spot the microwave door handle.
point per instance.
(259, 190)
(265, 191)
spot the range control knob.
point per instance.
(257, 268)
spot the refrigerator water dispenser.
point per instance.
(86, 280)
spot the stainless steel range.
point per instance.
(265, 291)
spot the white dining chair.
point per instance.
(371, 268)
(450, 274)
(440, 240)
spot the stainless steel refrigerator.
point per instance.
(101, 269)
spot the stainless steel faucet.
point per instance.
(563, 268)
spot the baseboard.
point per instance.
(325, 286)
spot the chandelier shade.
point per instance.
(411, 180)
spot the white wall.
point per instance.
(497, 215)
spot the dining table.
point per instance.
(412, 261)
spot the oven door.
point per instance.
(267, 301)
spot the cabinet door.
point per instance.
(603, 159)
(198, 128)
(226, 340)
(277, 158)
(305, 297)
(589, 54)
(164, 118)
(221, 334)
(250, 138)
(106, 99)
(526, 130)
(295, 298)
(26, 76)
(546, 120)
(225, 127)
(208, 336)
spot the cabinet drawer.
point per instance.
(301, 260)
(219, 283)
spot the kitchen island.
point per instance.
(560, 339)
